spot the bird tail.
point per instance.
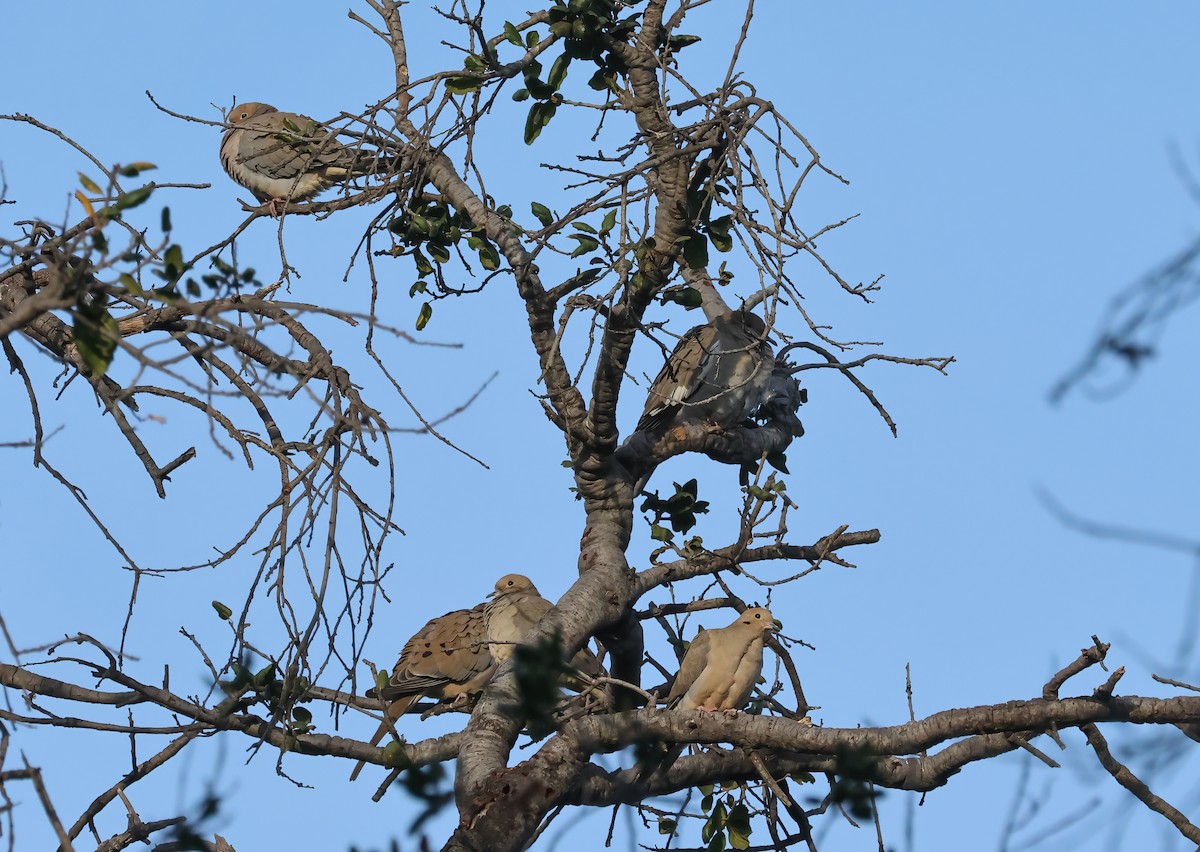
(394, 711)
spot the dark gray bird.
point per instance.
(781, 399)
(717, 374)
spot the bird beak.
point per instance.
(491, 594)
(776, 625)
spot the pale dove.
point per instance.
(721, 666)
(283, 156)
(448, 658)
(717, 673)
(717, 374)
(516, 606)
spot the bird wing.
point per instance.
(449, 650)
(694, 662)
(745, 675)
(284, 145)
(679, 377)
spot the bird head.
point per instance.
(246, 111)
(511, 584)
(761, 618)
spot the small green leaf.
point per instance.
(586, 244)
(87, 183)
(695, 252)
(542, 212)
(660, 533)
(424, 315)
(610, 220)
(489, 258)
(678, 42)
(463, 85)
(512, 35)
(532, 38)
(132, 287)
(583, 226)
(165, 222)
(96, 334)
(520, 95)
(418, 287)
(133, 198)
(224, 612)
(302, 715)
(394, 756)
(135, 169)
(667, 826)
(439, 253)
(558, 71)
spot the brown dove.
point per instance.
(721, 666)
(283, 156)
(448, 658)
(516, 606)
(717, 374)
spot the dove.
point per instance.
(283, 156)
(448, 658)
(717, 374)
(516, 606)
(721, 666)
(717, 674)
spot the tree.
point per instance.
(680, 176)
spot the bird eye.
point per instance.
(758, 615)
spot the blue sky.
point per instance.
(1010, 167)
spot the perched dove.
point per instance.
(721, 666)
(448, 658)
(717, 673)
(283, 156)
(717, 374)
(516, 606)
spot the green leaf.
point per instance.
(678, 42)
(132, 287)
(542, 212)
(659, 533)
(583, 226)
(695, 252)
(610, 220)
(532, 38)
(717, 844)
(533, 123)
(463, 85)
(224, 612)
(586, 244)
(439, 253)
(88, 184)
(165, 222)
(667, 826)
(302, 715)
(418, 287)
(520, 95)
(96, 336)
(489, 258)
(135, 169)
(558, 71)
(424, 315)
(394, 756)
(512, 35)
(133, 198)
